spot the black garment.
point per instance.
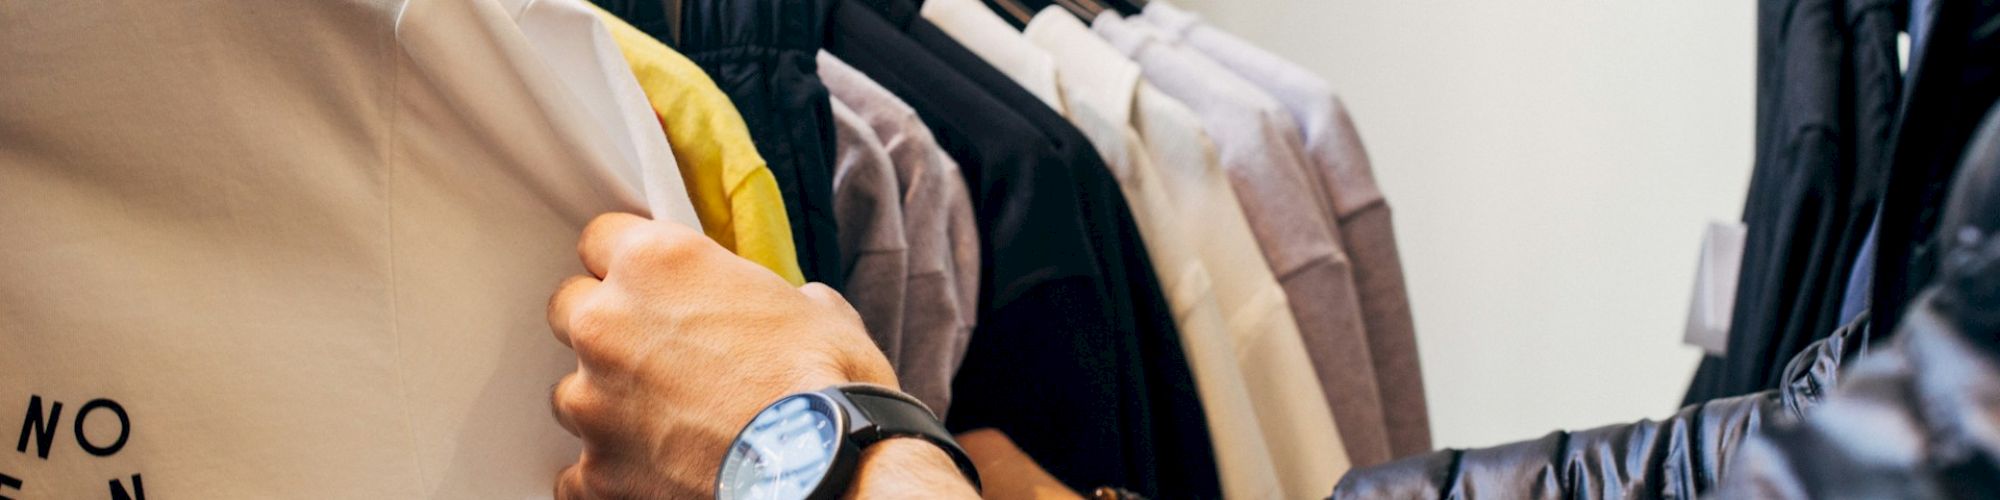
(649, 16)
(1914, 419)
(1916, 399)
(1956, 78)
(1053, 362)
(1679, 457)
(760, 52)
(1827, 89)
(1958, 69)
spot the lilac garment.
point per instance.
(1334, 151)
(942, 287)
(874, 252)
(1260, 148)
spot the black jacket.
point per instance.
(1954, 80)
(1688, 454)
(1828, 84)
(1918, 417)
(1914, 420)
(1677, 457)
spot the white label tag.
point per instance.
(1715, 287)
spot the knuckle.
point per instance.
(597, 479)
(574, 402)
(651, 245)
(564, 291)
(568, 483)
(564, 398)
(596, 229)
(591, 320)
(818, 290)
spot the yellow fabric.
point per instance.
(732, 188)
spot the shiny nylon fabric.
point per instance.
(1916, 419)
(1677, 457)
(1931, 383)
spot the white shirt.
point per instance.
(578, 48)
(306, 250)
(1346, 179)
(1193, 192)
(1258, 146)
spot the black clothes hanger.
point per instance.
(1086, 10)
(659, 18)
(1127, 7)
(1033, 6)
(1013, 11)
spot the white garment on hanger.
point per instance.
(288, 252)
(578, 48)
(1180, 182)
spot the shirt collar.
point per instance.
(1130, 38)
(1172, 21)
(1093, 72)
(982, 31)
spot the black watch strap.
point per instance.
(895, 414)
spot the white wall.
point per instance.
(1552, 164)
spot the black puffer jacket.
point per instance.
(1916, 419)
(1920, 417)
(1677, 457)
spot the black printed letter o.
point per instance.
(124, 427)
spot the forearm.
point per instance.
(909, 468)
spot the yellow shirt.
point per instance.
(733, 191)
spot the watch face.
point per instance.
(784, 452)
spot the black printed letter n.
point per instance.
(44, 431)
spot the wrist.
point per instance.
(908, 467)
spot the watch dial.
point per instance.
(784, 452)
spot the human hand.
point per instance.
(678, 344)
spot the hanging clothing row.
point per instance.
(1201, 329)
(1152, 255)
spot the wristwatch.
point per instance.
(808, 445)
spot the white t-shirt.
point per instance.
(281, 251)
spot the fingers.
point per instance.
(601, 240)
(569, 483)
(564, 399)
(563, 305)
(656, 247)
